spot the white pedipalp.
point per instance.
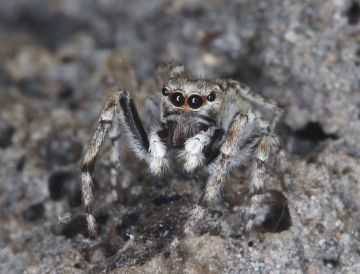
(192, 155)
(156, 159)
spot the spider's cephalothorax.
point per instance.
(190, 108)
(214, 125)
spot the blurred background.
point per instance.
(61, 59)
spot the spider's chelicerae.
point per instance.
(216, 125)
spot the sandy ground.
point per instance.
(60, 60)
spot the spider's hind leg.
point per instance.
(265, 106)
(167, 70)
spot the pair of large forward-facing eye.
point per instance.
(194, 101)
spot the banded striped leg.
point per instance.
(118, 107)
(105, 122)
(115, 137)
(270, 105)
(218, 172)
(268, 144)
(219, 169)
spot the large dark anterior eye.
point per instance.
(177, 99)
(195, 101)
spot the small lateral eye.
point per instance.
(211, 97)
(177, 99)
(195, 101)
(165, 91)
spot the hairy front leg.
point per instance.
(105, 122)
(219, 169)
(218, 172)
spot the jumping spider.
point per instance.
(216, 125)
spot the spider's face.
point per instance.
(191, 98)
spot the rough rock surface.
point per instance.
(59, 60)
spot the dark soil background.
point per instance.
(61, 59)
